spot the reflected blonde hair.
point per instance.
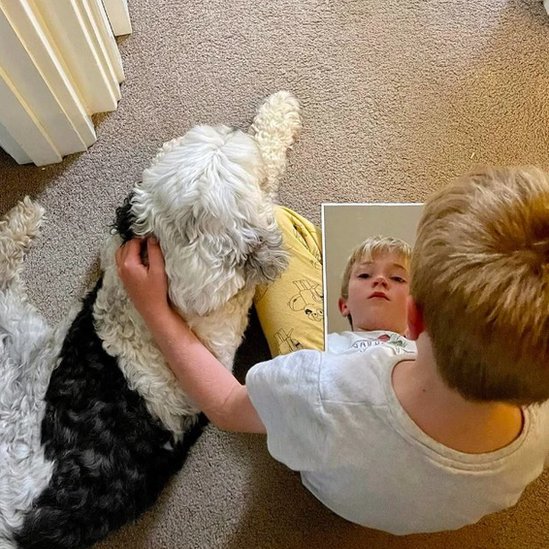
(371, 248)
(480, 275)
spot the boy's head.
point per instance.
(480, 279)
(375, 285)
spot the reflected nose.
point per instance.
(380, 280)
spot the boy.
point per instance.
(374, 294)
(415, 442)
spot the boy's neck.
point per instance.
(447, 417)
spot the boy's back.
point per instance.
(339, 422)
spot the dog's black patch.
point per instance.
(111, 457)
(125, 219)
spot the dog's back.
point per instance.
(111, 457)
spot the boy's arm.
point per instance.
(211, 387)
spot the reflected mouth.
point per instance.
(379, 295)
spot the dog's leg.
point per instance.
(275, 128)
(17, 230)
(27, 355)
(25, 337)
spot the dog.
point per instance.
(92, 421)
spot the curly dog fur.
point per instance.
(92, 420)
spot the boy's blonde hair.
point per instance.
(480, 274)
(371, 248)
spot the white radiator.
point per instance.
(59, 64)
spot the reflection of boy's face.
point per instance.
(378, 292)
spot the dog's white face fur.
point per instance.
(202, 197)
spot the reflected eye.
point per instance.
(398, 279)
(363, 275)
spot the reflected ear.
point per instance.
(416, 325)
(342, 304)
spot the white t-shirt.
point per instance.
(336, 419)
(362, 341)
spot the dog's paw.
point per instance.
(165, 149)
(275, 129)
(17, 230)
(22, 223)
(278, 121)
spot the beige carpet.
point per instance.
(398, 97)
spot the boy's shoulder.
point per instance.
(362, 375)
(344, 342)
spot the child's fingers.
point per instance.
(128, 255)
(156, 258)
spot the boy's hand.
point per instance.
(146, 284)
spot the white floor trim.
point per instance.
(60, 64)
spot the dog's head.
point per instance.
(202, 198)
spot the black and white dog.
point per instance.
(92, 420)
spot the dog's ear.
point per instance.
(125, 219)
(267, 259)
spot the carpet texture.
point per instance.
(398, 97)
